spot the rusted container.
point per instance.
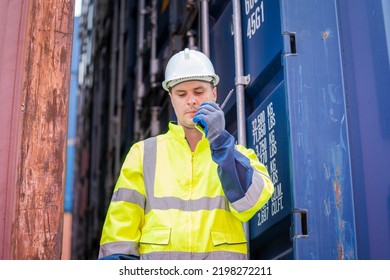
(35, 57)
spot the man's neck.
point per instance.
(193, 136)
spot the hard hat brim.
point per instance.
(167, 85)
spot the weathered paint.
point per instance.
(13, 17)
(365, 26)
(320, 150)
(38, 209)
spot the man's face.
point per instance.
(186, 98)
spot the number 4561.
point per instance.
(256, 18)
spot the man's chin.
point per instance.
(189, 125)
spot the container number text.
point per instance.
(255, 15)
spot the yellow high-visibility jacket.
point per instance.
(172, 203)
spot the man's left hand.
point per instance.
(212, 118)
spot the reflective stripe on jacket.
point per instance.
(172, 203)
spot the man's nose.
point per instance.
(192, 100)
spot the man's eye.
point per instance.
(198, 92)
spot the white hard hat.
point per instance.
(189, 65)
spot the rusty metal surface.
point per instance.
(13, 16)
(38, 222)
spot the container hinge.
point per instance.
(299, 224)
(243, 80)
(290, 47)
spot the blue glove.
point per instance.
(211, 118)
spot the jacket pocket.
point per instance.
(219, 237)
(158, 236)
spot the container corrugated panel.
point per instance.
(262, 41)
(268, 131)
(223, 60)
(323, 225)
(365, 43)
(72, 120)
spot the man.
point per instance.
(185, 194)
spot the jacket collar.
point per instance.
(176, 130)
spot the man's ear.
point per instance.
(215, 94)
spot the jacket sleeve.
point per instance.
(125, 215)
(118, 257)
(244, 179)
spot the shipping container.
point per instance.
(303, 83)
